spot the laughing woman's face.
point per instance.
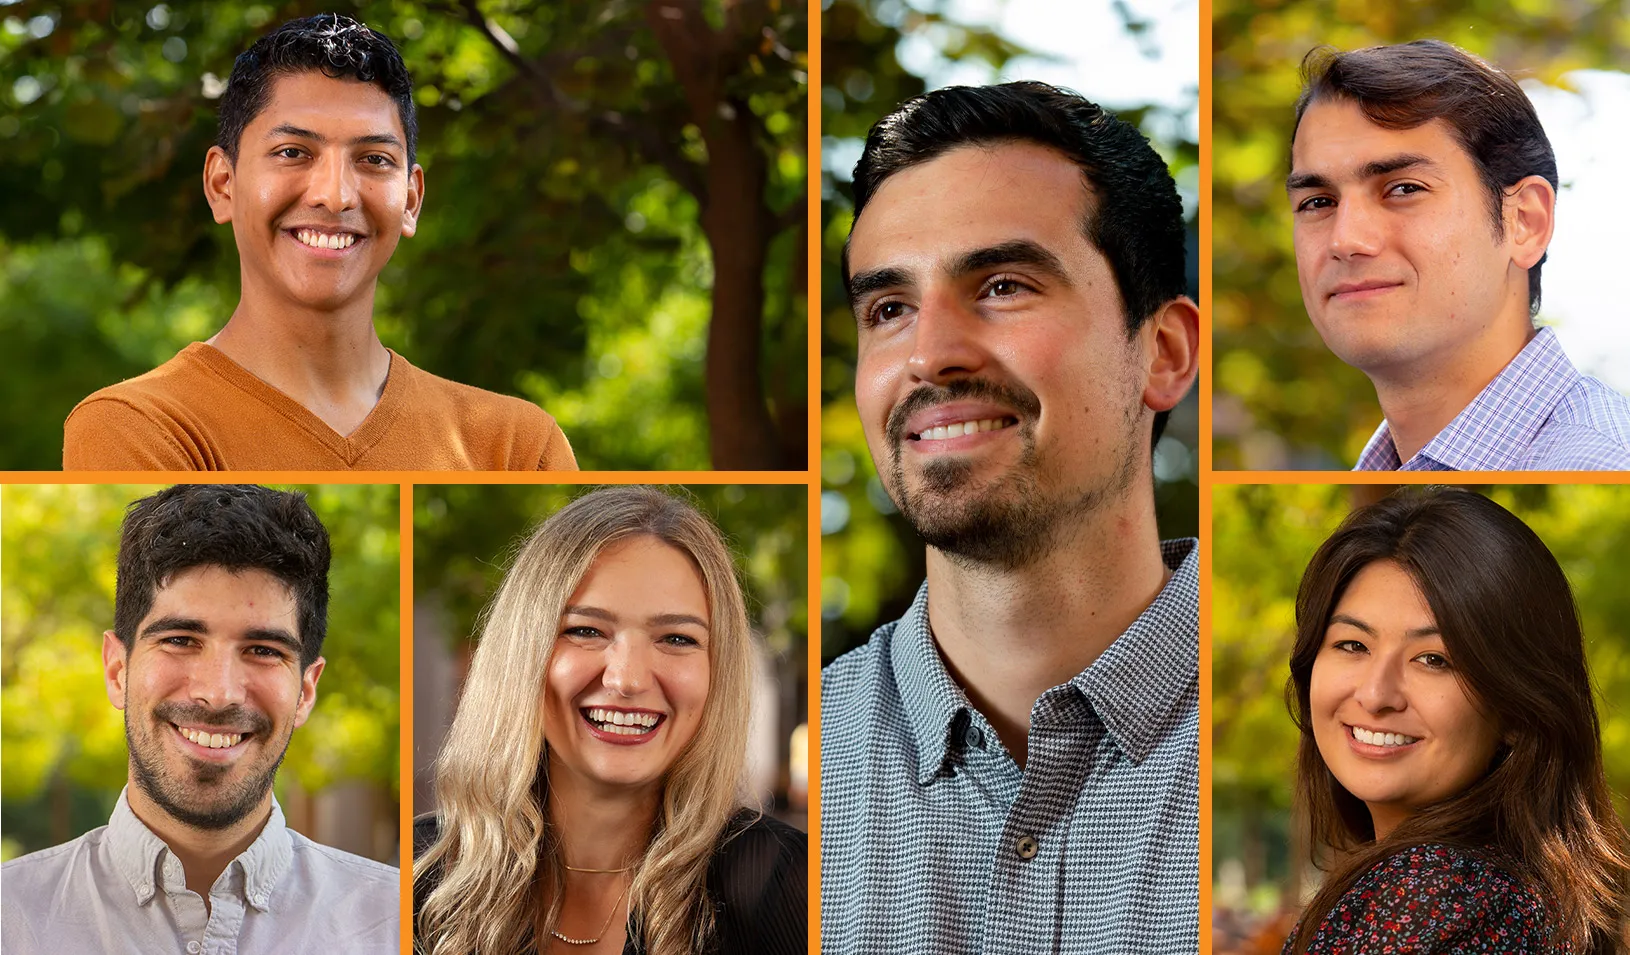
(630, 671)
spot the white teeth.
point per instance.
(621, 722)
(212, 740)
(960, 428)
(322, 240)
(1382, 739)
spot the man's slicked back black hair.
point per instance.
(328, 43)
(1134, 215)
(234, 526)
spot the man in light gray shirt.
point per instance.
(219, 616)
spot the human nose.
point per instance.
(333, 184)
(217, 679)
(627, 671)
(1355, 229)
(1380, 687)
(947, 340)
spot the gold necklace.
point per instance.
(609, 916)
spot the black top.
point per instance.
(1437, 900)
(758, 881)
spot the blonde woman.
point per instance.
(590, 785)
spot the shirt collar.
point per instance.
(1495, 431)
(143, 858)
(1134, 685)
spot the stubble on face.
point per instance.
(203, 795)
(1007, 522)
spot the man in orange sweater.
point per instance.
(314, 168)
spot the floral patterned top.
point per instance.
(1436, 900)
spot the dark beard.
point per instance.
(174, 795)
(1008, 523)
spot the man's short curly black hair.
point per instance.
(234, 526)
(328, 43)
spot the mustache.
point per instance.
(1018, 397)
(237, 717)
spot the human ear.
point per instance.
(114, 668)
(1172, 350)
(218, 183)
(308, 691)
(1529, 211)
(415, 201)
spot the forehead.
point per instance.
(972, 197)
(1336, 140)
(640, 575)
(328, 105)
(1385, 595)
(216, 594)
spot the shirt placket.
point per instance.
(1025, 908)
(226, 912)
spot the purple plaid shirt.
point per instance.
(1539, 414)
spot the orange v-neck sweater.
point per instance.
(201, 411)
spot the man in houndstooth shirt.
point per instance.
(1013, 765)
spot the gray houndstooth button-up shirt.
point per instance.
(933, 839)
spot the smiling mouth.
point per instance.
(1372, 738)
(959, 428)
(330, 241)
(209, 739)
(622, 722)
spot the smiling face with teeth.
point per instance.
(1392, 721)
(997, 384)
(320, 194)
(630, 672)
(212, 690)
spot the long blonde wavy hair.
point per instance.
(497, 856)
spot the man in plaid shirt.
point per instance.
(1423, 191)
(1013, 765)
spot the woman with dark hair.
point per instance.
(1450, 757)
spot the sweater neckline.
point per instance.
(348, 448)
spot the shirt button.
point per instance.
(1026, 847)
(194, 948)
(973, 738)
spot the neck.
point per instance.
(203, 853)
(1385, 819)
(600, 827)
(330, 361)
(1421, 399)
(1009, 635)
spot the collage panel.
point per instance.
(610, 740)
(1420, 734)
(404, 236)
(200, 695)
(1391, 184)
(1009, 705)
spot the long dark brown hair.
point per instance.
(1508, 620)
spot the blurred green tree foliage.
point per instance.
(465, 536)
(1264, 536)
(871, 561)
(614, 224)
(1281, 400)
(64, 743)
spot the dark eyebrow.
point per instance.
(1413, 634)
(1336, 618)
(865, 283)
(193, 625)
(1370, 170)
(175, 625)
(300, 132)
(1016, 252)
(595, 612)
